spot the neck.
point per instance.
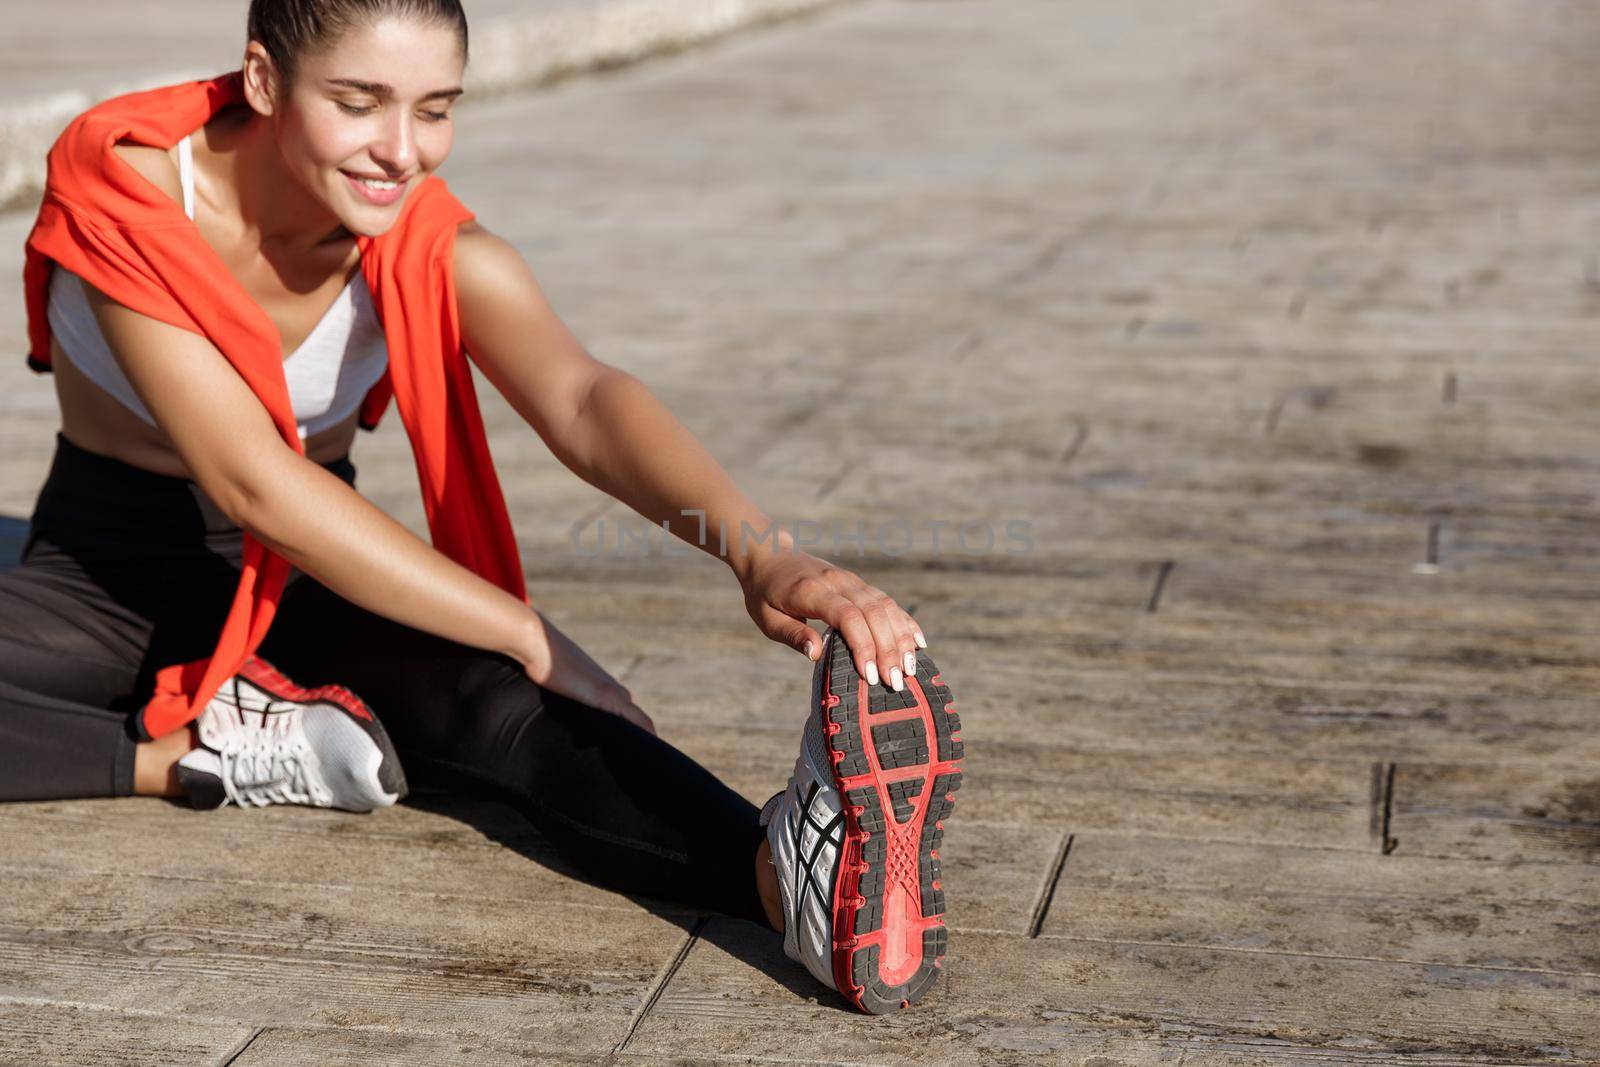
(273, 207)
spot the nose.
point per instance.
(396, 150)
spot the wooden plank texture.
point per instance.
(330, 955)
(1038, 998)
(1502, 915)
(1493, 811)
(39, 1033)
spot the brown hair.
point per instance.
(288, 29)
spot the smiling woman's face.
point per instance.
(368, 118)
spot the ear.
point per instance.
(262, 82)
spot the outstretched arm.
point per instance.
(611, 431)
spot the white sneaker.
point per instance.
(863, 906)
(265, 740)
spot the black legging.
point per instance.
(126, 571)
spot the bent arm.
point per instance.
(312, 518)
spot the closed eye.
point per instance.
(431, 116)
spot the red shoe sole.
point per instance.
(264, 676)
(895, 763)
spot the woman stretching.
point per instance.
(168, 456)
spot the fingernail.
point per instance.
(911, 663)
(896, 682)
(810, 646)
(922, 642)
(872, 673)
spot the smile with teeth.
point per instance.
(382, 192)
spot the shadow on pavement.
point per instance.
(755, 944)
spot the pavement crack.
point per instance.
(833, 481)
(1053, 879)
(1315, 397)
(1274, 413)
(965, 346)
(622, 675)
(660, 984)
(1070, 450)
(1042, 263)
(1160, 585)
(243, 1046)
(1382, 806)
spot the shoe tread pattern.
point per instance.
(876, 860)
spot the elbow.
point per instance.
(254, 482)
(245, 506)
(240, 503)
(249, 502)
(600, 391)
(573, 433)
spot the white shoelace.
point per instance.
(265, 762)
(270, 773)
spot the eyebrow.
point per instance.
(384, 89)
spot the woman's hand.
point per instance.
(555, 661)
(783, 589)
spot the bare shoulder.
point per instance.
(483, 255)
(490, 273)
(515, 336)
(155, 165)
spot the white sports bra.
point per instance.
(344, 355)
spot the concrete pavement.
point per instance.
(57, 59)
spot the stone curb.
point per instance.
(507, 55)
